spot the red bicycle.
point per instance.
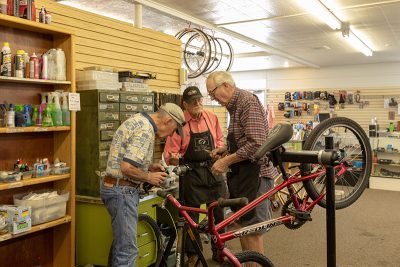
(351, 156)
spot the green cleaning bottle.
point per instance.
(47, 121)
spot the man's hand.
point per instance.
(156, 167)
(218, 153)
(156, 178)
(220, 166)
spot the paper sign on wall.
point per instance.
(74, 101)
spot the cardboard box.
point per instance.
(14, 213)
(20, 227)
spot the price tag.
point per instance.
(74, 101)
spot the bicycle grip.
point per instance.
(234, 202)
(163, 193)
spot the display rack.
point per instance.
(51, 243)
(386, 166)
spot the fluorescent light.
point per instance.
(357, 43)
(320, 11)
(286, 64)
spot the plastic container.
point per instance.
(9, 178)
(42, 173)
(46, 209)
(92, 75)
(100, 85)
(60, 170)
(27, 174)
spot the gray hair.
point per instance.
(220, 77)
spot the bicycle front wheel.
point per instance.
(350, 139)
(250, 257)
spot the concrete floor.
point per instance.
(367, 234)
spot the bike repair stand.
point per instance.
(330, 208)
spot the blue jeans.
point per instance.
(122, 204)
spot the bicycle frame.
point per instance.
(220, 239)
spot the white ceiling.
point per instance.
(285, 26)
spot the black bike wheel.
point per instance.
(250, 257)
(149, 222)
(351, 140)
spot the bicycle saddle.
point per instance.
(277, 136)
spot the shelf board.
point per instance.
(28, 25)
(391, 164)
(37, 228)
(31, 81)
(33, 129)
(32, 181)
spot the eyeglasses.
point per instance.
(212, 92)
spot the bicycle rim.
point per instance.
(349, 137)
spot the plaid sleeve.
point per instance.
(253, 120)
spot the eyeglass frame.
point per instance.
(212, 92)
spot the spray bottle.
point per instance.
(66, 116)
(56, 113)
(47, 121)
(35, 115)
(27, 115)
(5, 60)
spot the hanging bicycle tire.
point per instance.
(203, 53)
(351, 140)
(250, 257)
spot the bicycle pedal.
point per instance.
(300, 215)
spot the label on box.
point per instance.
(74, 101)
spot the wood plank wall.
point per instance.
(375, 97)
(103, 41)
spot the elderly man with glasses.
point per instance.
(248, 130)
(202, 134)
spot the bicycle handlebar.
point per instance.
(240, 202)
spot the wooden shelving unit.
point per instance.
(51, 243)
(34, 129)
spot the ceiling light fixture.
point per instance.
(356, 42)
(319, 10)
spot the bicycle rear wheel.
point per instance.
(250, 257)
(350, 139)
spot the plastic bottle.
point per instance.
(19, 63)
(42, 15)
(33, 67)
(47, 121)
(35, 114)
(27, 114)
(66, 115)
(60, 65)
(26, 68)
(3, 6)
(56, 113)
(5, 60)
(45, 64)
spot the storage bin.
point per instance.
(91, 75)
(9, 178)
(101, 85)
(60, 170)
(27, 174)
(47, 209)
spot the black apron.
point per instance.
(200, 185)
(243, 179)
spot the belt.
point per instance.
(110, 181)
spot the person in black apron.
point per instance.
(200, 185)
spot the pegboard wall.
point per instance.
(367, 104)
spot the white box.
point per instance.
(15, 213)
(44, 210)
(95, 75)
(97, 85)
(20, 227)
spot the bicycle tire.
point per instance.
(250, 256)
(355, 181)
(157, 234)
